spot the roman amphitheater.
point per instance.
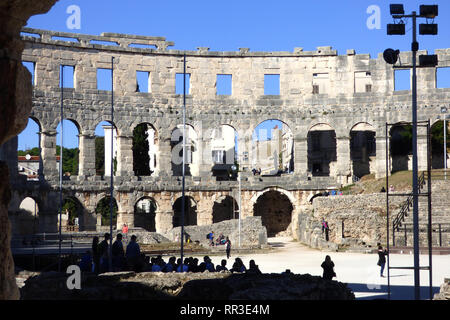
(333, 110)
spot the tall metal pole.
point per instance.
(111, 206)
(387, 212)
(60, 166)
(183, 200)
(445, 146)
(240, 206)
(414, 48)
(430, 234)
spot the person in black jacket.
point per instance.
(328, 271)
(382, 258)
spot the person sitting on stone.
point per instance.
(170, 265)
(253, 268)
(133, 254)
(86, 262)
(181, 267)
(193, 265)
(222, 266)
(238, 266)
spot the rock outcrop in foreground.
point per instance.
(185, 286)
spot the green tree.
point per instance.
(141, 158)
(32, 152)
(70, 159)
(437, 137)
(71, 206)
(100, 156)
(104, 208)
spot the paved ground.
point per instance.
(358, 270)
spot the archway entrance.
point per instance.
(362, 148)
(400, 147)
(103, 208)
(190, 212)
(321, 149)
(275, 210)
(225, 208)
(144, 214)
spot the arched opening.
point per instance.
(29, 151)
(272, 148)
(27, 220)
(145, 144)
(225, 208)
(224, 151)
(400, 147)
(103, 210)
(144, 214)
(190, 212)
(71, 151)
(362, 149)
(437, 144)
(104, 159)
(191, 160)
(275, 210)
(321, 149)
(73, 214)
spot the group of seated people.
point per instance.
(189, 264)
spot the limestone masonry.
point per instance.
(327, 101)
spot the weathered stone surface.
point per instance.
(191, 286)
(444, 293)
(15, 102)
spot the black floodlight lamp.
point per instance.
(430, 60)
(391, 55)
(396, 9)
(428, 28)
(428, 11)
(396, 29)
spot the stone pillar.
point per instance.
(343, 165)
(48, 154)
(204, 209)
(205, 156)
(380, 166)
(422, 148)
(87, 155)
(300, 155)
(245, 156)
(8, 154)
(164, 155)
(108, 131)
(124, 156)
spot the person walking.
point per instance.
(125, 232)
(382, 259)
(228, 247)
(95, 256)
(327, 230)
(328, 269)
(118, 254)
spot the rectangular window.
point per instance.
(179, 83)
(223, 84)
(368, 88)
(363, 81)
(104, 79)
(443, 77)
(143, 81)
(320, 83)
(315, 89)
(31, 66)
(402, 80)
(272, 84)
(218, 156)
(67, 76)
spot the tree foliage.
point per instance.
(141, 158)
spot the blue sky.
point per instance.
(259, 25)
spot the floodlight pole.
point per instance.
(61, 167)
(414, 47)
(111, 206)
(183, 200)
(415, 191)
